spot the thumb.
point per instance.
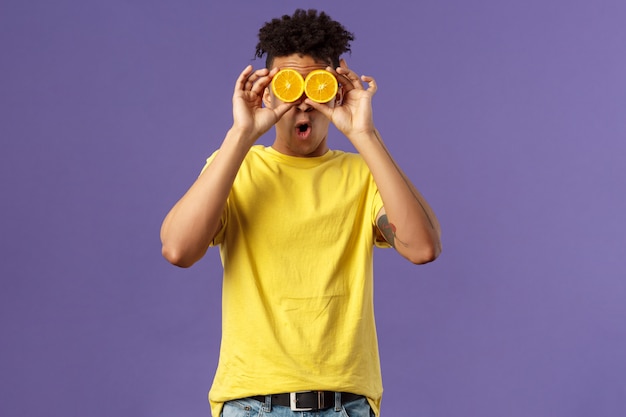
(323, 108)
(281, 109)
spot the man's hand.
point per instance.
(353, 116)
(406, 217)
(249, 115)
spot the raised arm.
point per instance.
(407, 222)
(193, 222)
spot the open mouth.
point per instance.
(303, 130)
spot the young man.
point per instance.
(296, 224)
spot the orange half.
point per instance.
(320, 86)
(288, 85)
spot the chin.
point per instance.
(311, 150)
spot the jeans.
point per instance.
(248, 407)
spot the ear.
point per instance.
(267, 98)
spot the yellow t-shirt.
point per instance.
(297, 247)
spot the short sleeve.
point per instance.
(377, 205)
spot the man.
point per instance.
(296, 224)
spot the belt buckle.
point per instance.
(293, 401)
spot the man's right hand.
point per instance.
(249, 116)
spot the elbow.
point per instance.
(176, 257)
(426, 254)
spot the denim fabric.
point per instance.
(248, 407)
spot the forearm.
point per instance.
(193, 222)
(412, 227)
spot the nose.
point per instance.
(303, 107)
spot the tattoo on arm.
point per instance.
(389, 231)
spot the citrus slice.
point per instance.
(320, 86)
(288, 85)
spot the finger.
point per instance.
(343, 64)
(243, 77)
(345, 83)
(352, 78)
(274, 71)
(259, 73)
(323, 108)
(371, 83)
(342, 80)
(255, 77)
(346, 71)
(281, 109)
(260, 85)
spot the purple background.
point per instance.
(509, 116)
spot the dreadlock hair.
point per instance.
(305, 33)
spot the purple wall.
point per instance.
(509, 116)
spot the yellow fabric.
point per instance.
(297, 246)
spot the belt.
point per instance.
(308, 400)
